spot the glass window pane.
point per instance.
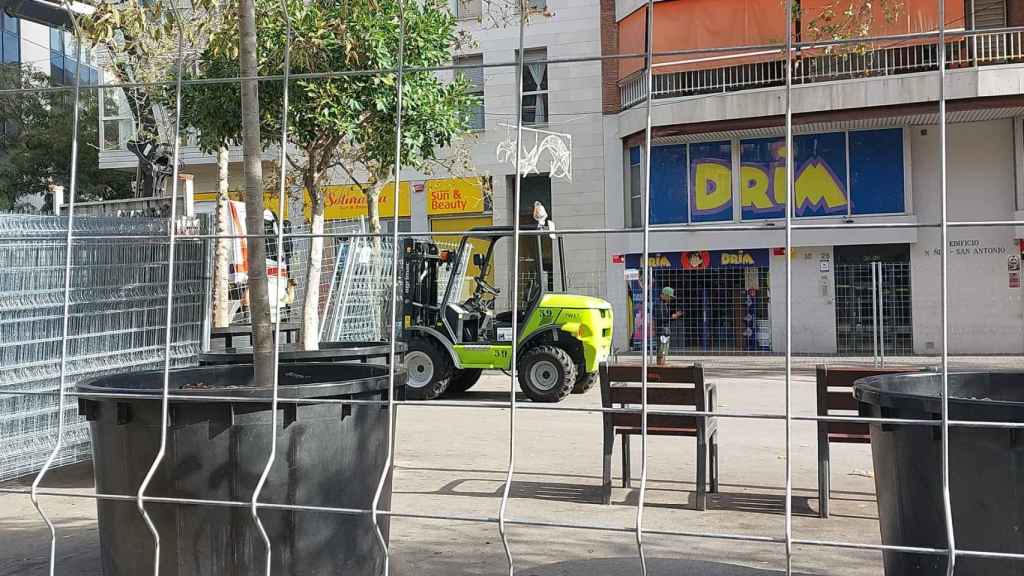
(761, 160)
(70, 46)
(10, 24)
(876, 171)
(12, 49)
(476, 116)
(635, 196)
(70, 68)
(820, 174)
(711, 182)
(56, 69)
(56, 40)
(668, 184)
(111, 135)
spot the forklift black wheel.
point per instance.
(585, 381)
(429, 370)
(463, 380)
(547, 373)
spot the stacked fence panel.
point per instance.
(116, 324)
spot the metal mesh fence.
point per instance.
(118, 292)
(699, 291)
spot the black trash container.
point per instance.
(986, 469)
(328, 454)
(370, 352)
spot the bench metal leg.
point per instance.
(606, 472)
(702, 471)
(824, 481)
(713, 452)
(626, 476)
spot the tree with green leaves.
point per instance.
(35, 142)
(345, 124)
(140, 42)
(845, 20)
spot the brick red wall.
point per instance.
(610, 68)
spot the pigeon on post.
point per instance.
(540, 214)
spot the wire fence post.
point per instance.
(523, 9)
(388, 468)
(648, 306)
(788, 251)
(62, 376)
(172, 236)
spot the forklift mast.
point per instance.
(421, 260)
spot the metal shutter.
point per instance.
(989, 14)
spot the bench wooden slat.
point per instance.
(844, 377)
(655, 431)
(655, 421)
(849, 438)
(655, 395)
(848, 428)
(673, 374)
(840, 400)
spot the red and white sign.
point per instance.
(696, 260)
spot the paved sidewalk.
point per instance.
(453, 461)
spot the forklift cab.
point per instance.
(469, 306)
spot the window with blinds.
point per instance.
(468, 9)
(474, 76)
(989, 14)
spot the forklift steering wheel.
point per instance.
(485, 287)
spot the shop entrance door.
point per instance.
(873, 301)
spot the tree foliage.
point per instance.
(847, 19)
(35, 142)
(346, 121)
(140, 39)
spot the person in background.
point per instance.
(668, 315)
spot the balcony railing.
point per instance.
(821, 66)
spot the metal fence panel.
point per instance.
(118, 293)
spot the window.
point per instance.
(475, 78)
(636, 203)
(11, 40)
(468, 9)
(116, 127)
(64, 60)
(535, 86)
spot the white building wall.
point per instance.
(574, 100)
(986, 315)
(814, 311)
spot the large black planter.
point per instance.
(371, 352)
(986, 469)
(328, 454)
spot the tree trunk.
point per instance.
(259, 301)
(314, 267)
(373, 211)
(221, 303)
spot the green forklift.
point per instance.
(454, 332)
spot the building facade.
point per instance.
(562, 101)
(866, 157)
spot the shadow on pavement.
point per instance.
(655, 567)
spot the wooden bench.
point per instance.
(673, 386)
(835, 398)
(229, 333)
